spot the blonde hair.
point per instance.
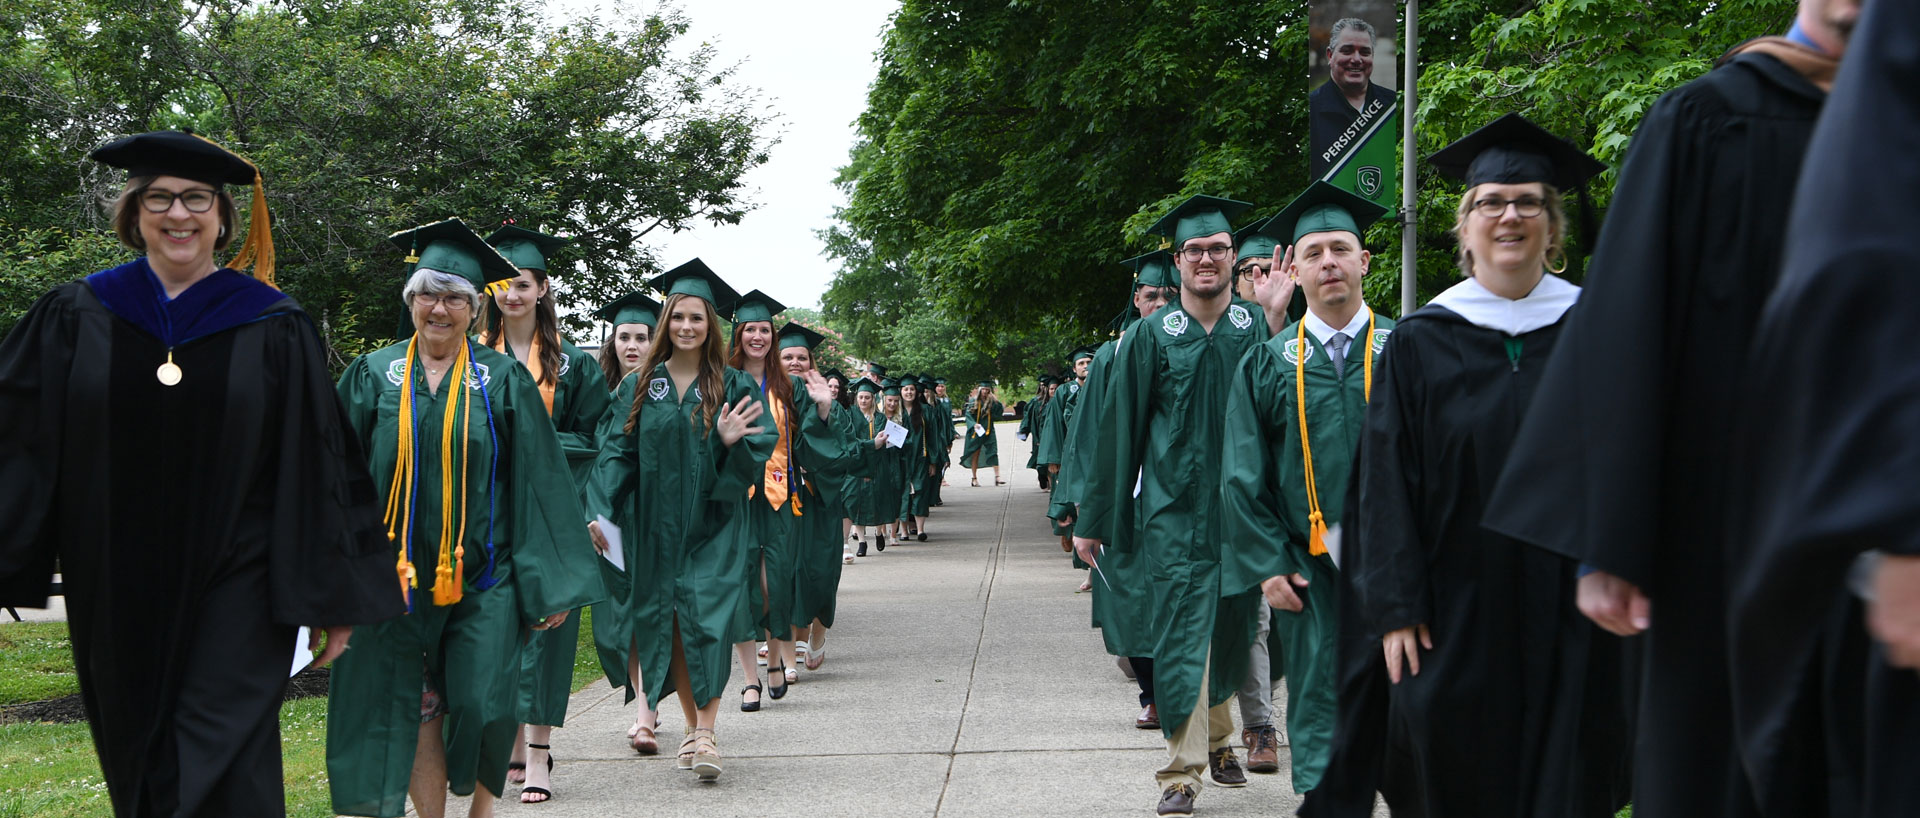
(1556, 214)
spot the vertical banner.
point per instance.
(1353, 100)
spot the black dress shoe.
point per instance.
(880, 542)
(749, 706)
(923, 536)
(1175, 802)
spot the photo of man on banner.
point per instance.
(1353, 100)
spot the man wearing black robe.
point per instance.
(1626, 459)
(1833, 411)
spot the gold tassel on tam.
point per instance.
(257, 249)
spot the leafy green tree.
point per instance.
(1011, 153)
(369, 116)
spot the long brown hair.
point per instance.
(713, 363)
(779, 383)
(610, 364)
(546, 328)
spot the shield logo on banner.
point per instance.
(1369, 181)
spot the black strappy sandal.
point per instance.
(541, 790)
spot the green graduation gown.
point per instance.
(771, 535)
(817, 541)
(672, 486)
(1264, 498)
(468, 651)
(1161, 430)
(546, 664)
(1051, 450)
(917, 497)
(982, 449)
(878, 500)
(1031, 422)
(1121, 596)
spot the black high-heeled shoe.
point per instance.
(780, 690)
(541, 790)
(749, 706)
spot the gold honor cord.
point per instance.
(1316, 521)
(449, 569)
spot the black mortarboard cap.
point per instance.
(1512, 150)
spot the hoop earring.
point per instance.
(1560, 269)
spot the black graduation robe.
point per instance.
(1516, 709)
(1834, 403)
(197, 527)
(1626, 459)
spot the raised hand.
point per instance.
(734, 421)
(820, 391)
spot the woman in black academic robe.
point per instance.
(1504, 700)
(172, 437)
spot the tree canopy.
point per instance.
(1012, 153)
(367, 117)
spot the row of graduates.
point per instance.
(720, 472)
(896, 497)
(177, 449)
(1223, 459)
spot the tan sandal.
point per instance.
(685, 759)
(706, 754)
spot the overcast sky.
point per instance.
(812, 62)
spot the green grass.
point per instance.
(35, 662)
(586, 660)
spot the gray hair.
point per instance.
(1345, 23)
(428, 281)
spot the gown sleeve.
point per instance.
(611, 484)
(329, 562)
(579, 421)
(554, 562)
(1390, 571)
(741, 465)
(824, 449)
(34, 361)
(1256, 546)
(1107, 506)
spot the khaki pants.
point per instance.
(1206, 730)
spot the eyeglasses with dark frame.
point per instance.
(197, 200)
(1193, 254)
(1494, 207)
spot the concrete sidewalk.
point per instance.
(961, 679)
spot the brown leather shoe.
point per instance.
(1263, 754)
(1175, 802)
(1149, 718)
(1225, 768)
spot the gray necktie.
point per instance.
(1337, 350)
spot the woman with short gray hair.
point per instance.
(487, 539)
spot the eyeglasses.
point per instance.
(198, 200)
(453, 303)
(1192, 254)
(1254, 269)
(1493, 207)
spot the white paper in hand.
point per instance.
(1331, 540)
(612, 534)
(896, 435)
(301, 655)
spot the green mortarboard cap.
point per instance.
(755, 306)
(1154, 269)
(877, 370)
(939, 381)
(695, 279)
(633, 308)
(1198, 216)
(833, 373)
(1083, 352)
(889, 387)
(1512, 150)
(1254, 244)
(175, 153)
(864, 385)
(794, 335)
(452, 247)
(987, 384)
(1322, 207)
(910, 380)
(527, 249)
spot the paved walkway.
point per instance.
(962, 679)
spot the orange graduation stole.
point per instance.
(1316, 522)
